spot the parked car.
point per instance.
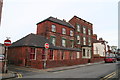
(118, 58)
(110, 59)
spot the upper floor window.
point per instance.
(53, 40)
(89, 32)
(89, 41)
(64, 42)
(78, 27)
(53, 28)
(72, 43)
(71, 33)
(84, 41)
(63, 31)
(84, 30)
(78, 39)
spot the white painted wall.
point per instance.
(99, 48)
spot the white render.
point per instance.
(99, 48)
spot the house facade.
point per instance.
(70, 44)
(83, 35)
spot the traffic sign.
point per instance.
(46, 45)
(7, 42)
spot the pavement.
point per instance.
(11, 74)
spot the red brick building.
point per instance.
(83, 38)
(69, 44)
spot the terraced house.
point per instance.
(70, 44)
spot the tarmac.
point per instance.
(11, 74)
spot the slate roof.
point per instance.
(58, 21)
(33, 40)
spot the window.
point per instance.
(63, 55)
(84, 30)
(63, 31)
(78, 54)
(78, 27)
(72, 43)
(53, 40)
(64, 42)
(71, 56)
(78, 39)
(89, 41)
(53, 28)
(43, 54)
(51, 54)
(32, 54)
(84, 52)
(84, 41)
(71, 33)
(89, 32)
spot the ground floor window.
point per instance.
(32, 53)
(78, 54)
(51, 54)
(86, 52)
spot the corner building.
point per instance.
(70, 44)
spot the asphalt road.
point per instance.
(93, 71)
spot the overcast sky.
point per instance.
(19, 17)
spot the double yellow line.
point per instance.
(108, 76)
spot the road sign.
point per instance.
(46, 45)
(7, 42)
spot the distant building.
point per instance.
(1, 4)
(2, 49)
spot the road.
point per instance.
(98, 71)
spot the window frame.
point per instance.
(71, 33)
(65, 42)
(31, 53)
(89, 32)
(64, 31)
(84, 30)
(53, 28)
(72, 43)
(78, 28)
(51, 40)
(78, 39)
(84, 40)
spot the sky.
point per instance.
(19, 17)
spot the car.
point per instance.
(110, 59)
(118, 58)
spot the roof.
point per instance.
(34, 40)
(58, 21)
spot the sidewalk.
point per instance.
(11, 74)
(71, 67)
(7, 75)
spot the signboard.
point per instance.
(46, 45)
(7, 42)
